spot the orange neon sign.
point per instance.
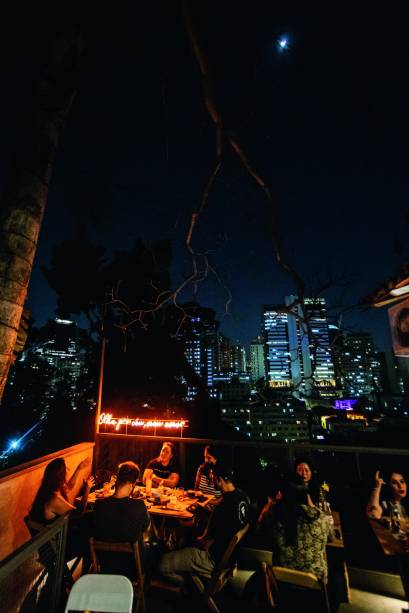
(106, 419)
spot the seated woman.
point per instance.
(164, 469)
(206, 480)
(55, 497)
(300, 532)
(393, 499)
(305, 469)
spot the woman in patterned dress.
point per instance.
(300, 532)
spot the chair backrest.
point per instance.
(131, 548)
(297, 577)
(235, 540)
(304, 581)
(112, 593)
(223, 568)
(108, 546)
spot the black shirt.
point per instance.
(228, 518)
(118, 520)
(161, 471)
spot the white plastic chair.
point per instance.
(113, 593)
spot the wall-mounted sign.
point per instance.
(137, 425)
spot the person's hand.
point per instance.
(378, 481)
(84, 464)
(90, 482)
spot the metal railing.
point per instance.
(31, 577)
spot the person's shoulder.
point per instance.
(153, 463)
(240, 495)
(311, 513)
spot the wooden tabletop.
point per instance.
(391, 546)
(178, 510)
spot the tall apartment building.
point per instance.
(360, 367)
(257, 360)
(199, 335)
(231, 357)
(295, 358)
(62, 346)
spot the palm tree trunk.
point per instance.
(26, 196)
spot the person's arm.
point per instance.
(374, 508)
(147, 474)
(59, 505)
(265, 511)
(170, 481)
(73, 484)
(88, 483)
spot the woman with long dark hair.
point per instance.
(305, 469)
(300, 531)
(206, 480)
(55, 495)
(393, 497)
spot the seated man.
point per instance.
(120, 518)
(228, 518)
(164, 469)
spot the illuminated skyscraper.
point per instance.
(295, 358)
(277, 348)
(199, 335)
(257, 361)
(360, 367)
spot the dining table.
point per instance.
(162, 505)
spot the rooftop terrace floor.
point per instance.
(361, 602)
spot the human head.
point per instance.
(167, 453)
(210, 454)
(295, 491)
(128, 474)
(54, 479)
(55, 475)
(397, 484)
(225, 475)
(304, 469)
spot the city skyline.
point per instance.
(138, 152)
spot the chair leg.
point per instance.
(212, 605)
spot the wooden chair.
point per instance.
(222, 572)
(132, 548)
(302, 581)
(47, 554)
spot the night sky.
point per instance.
(325, 123)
